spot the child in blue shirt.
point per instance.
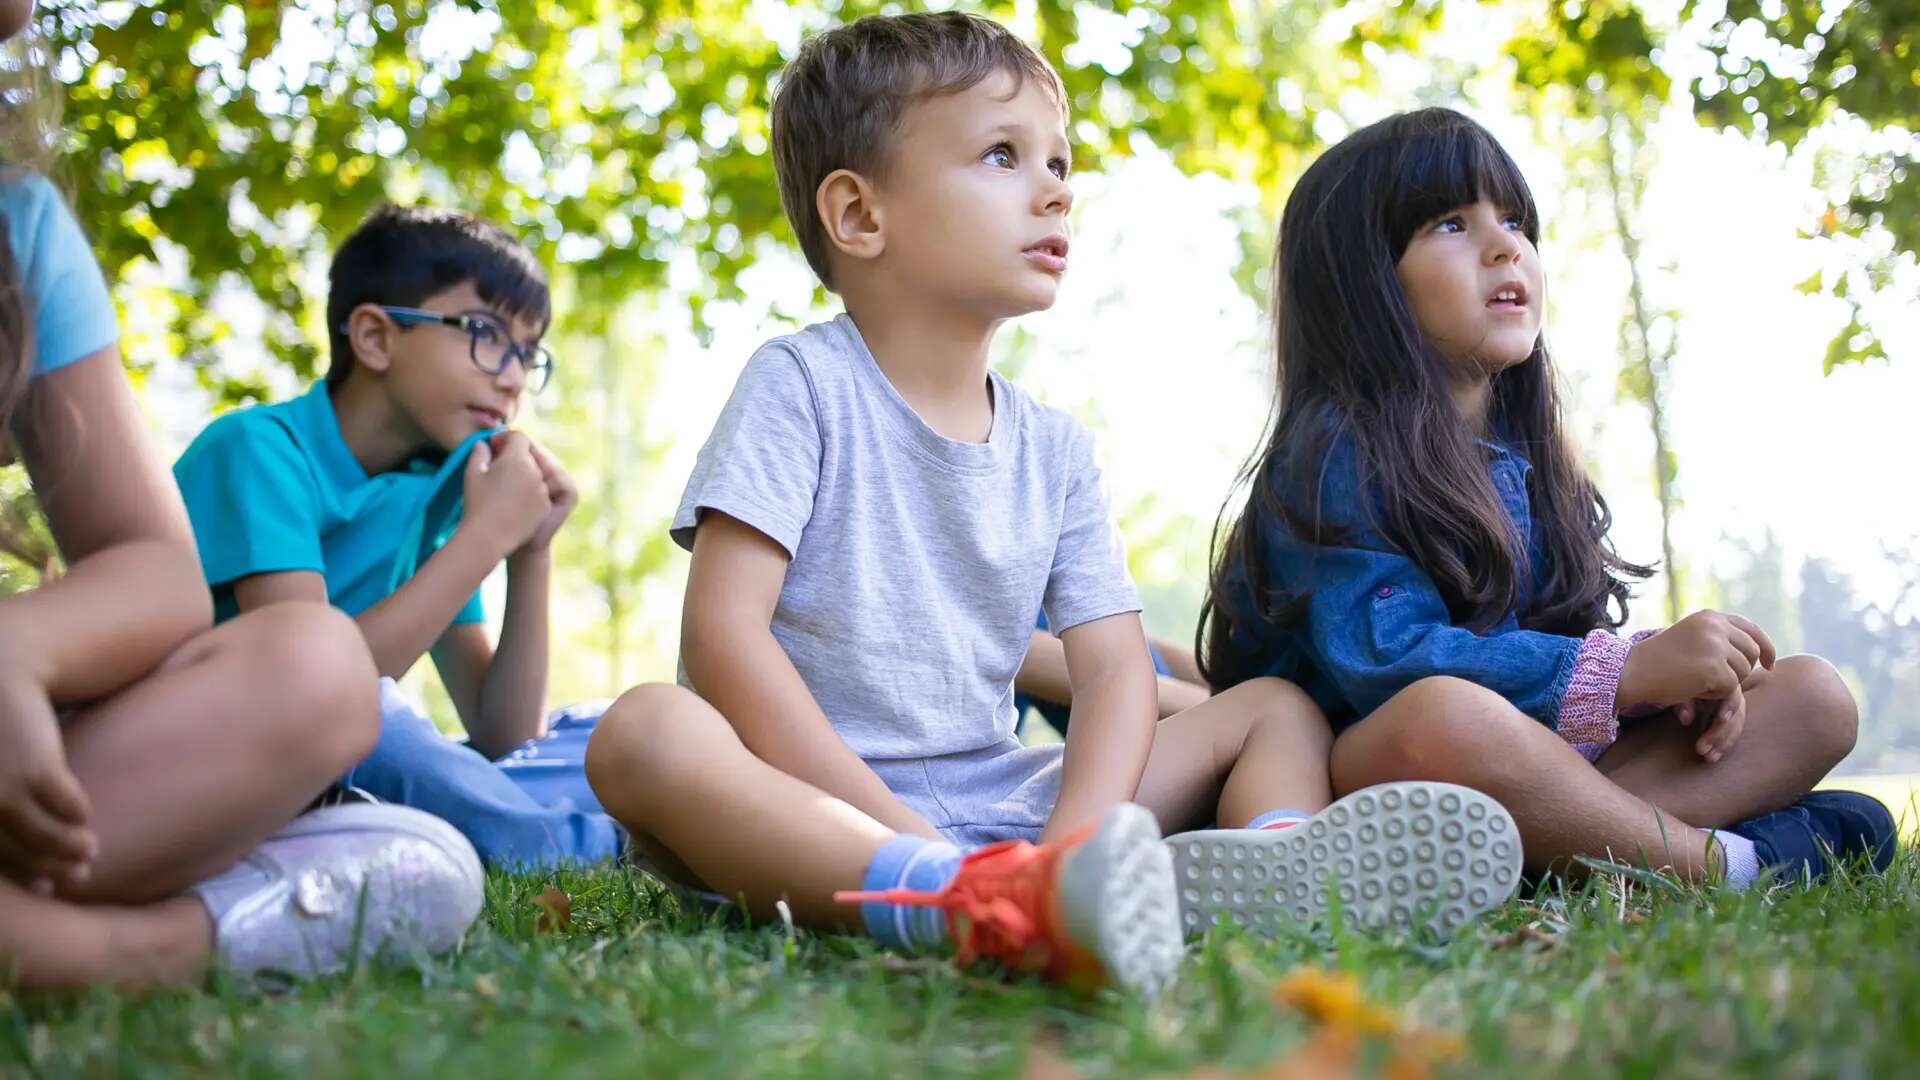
(1423, 553)
(153, 770)
(391, 490)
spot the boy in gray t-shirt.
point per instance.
(875, 523)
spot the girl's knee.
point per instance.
(1442, 728)
(1820, 707)
(310, 682)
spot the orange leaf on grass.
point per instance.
(555, 911)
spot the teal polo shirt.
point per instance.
(273, 488)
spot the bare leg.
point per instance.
(187, 770)
(669, 767)
(235, 734)
(52, 944)
(1259, 746)
(1801, 721)
(1454, 731)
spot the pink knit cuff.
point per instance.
(1587, 715)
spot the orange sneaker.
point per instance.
(1097, 907)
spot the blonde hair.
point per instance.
(29, 131)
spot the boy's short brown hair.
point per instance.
(841, 100)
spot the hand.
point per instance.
(562, 497)
(1706, 657)
(504, 491)
(44, 835)
(1724, 719)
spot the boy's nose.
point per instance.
(512, 377)
(1055, 196)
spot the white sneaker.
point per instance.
(340, 880)
(1115, 898)
(1399, 854)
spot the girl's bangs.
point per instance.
(1444, 166)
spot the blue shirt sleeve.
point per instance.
(252, 497)
(1375, 623)
(72, 314)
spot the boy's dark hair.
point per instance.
(1354, 370)
(401, 255)
(841, 100)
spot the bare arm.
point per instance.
(1111, 728)
(132, 592)
(404, 626)
(735, 663)
(1043, 675)
(501, 695)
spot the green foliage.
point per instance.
(240, 140)
(1789, 69)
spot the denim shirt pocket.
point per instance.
(1393, 620)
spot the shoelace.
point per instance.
(993, 903)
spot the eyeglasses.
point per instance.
(488, 343)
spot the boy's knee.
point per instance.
(652, 734)
(1822, 707)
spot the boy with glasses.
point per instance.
(391, 490)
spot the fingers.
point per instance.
(509, 442)
(1745, 645)
(60, 792)
(1729, 719)
(480, 459)
(39, 833)
(1683, 712)
(1766, 652)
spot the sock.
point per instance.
(1743, 862)
(1278, 819)
(909, 862)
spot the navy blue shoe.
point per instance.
(1801, 842)
(1865, 824)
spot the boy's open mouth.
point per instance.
(1049, 254)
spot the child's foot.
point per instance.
(340, 880)
(1093, 909)
(1398, 854)
(1805, 840)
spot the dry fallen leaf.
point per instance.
(1529, 937)
(555, 911)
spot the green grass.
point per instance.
(1631, 978)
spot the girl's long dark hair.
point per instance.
(1354, 370)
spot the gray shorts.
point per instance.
(1002, 792)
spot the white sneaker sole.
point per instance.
(402, 881)
(1117, 901)
(1400, 855)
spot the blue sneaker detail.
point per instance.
(1865, 824)
(1803, 841)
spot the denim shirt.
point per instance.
(1376, 624)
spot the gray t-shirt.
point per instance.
(918, 563)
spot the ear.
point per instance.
(371, 332)
(850, 214)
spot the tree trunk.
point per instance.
(1654, 368)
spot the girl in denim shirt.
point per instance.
(1422, 551)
